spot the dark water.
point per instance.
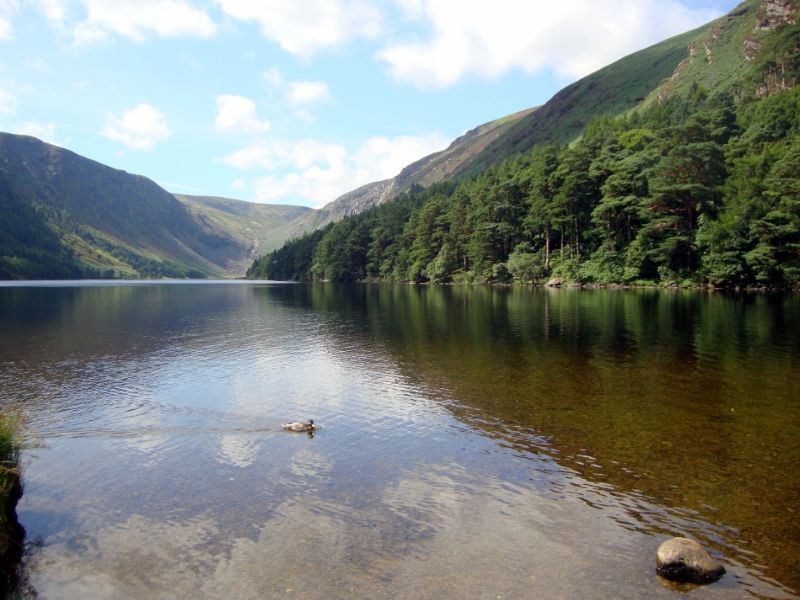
(473, 443)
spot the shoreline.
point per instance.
(12, 534)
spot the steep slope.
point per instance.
(426, 171)
(256, 226)
(698, 184)
(742, 51)
(107, 221)
(612, 90)
(739, 49)
(28, 246)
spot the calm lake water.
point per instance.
(473, 443)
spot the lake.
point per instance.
(472, 443)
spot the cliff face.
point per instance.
(754, 49)
(774, 13)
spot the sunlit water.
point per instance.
(473, 443)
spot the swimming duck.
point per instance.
(298, 426)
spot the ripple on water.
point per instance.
(166, 472)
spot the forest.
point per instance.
(701, 189)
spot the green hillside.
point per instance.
(612, 90)
(107, 222)
(258, 227)
(699, 184)
(740, 50)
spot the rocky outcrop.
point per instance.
(775, 13)
(12, 534)
(685, 560)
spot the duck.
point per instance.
(298, 426)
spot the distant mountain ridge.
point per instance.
(69, 216)
(62, 215)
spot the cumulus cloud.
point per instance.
(55, 11)
(7, 9)
(301, 95)
(318, 172)
(486, 39)
(303, 27)
(5, 29)
(307, 92)
(138, 128)
(137, 19)
(238, 114)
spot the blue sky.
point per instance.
(298, 101)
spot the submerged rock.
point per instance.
(682, 559)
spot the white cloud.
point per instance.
(7, 8)
(486, 39)
(55, 11)
(318, 172)
(136, 19)
(383, 157)
(238, 114)
(8, 102)
(44, 131)
(5, 29)
(307, 92)
(303, 27)
(138, 128)
(274, 154)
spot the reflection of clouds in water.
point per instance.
(241, 449)
(438, 532)
(145, 432)
(238, 450)
(139, 558)
(308, 463)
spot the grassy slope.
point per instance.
(108, 218)
(733, 52)
(449, 162)
(256, 226)
(610, 91)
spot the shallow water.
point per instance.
(476, 443)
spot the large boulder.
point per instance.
(682, 559)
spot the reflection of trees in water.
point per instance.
(681, 396)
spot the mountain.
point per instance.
(424, 172)
(624, 177)
(739, 50)
(721, 54)
(259, 227)
(64, 215)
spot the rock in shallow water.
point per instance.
(682, 559)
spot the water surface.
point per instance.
(473, 442)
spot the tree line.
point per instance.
(700, 189)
